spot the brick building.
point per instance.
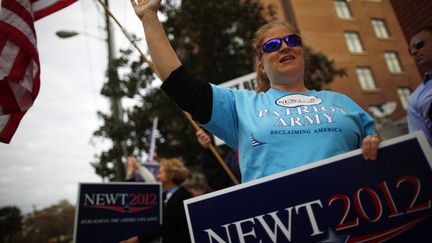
(412, 15)
(365, 38)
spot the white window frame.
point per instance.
(404, 94)
(380, 28)
(353, 42)
(393, 63)
(366, 78)
(342, 8)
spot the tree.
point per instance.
(49, 224)
(135, 84)
(10, 223)
(214, 40)
(319, 69)
(52, 224)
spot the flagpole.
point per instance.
(213, 150)
(187, 115)
(153, 141)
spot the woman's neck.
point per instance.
(290, 87)
(293, 83)
(169, 185)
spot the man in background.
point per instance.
(420, 102)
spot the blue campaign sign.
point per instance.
(111, 212)
(340, 199)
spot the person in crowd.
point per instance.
(420, 102)
(137, 172)
(196, 183)
(217, 177)
(283, 124)
(172, 173)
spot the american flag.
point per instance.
(19, 59)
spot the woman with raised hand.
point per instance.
(282, 125)
(172, 174)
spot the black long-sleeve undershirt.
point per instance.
(191, 95)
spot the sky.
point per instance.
(51, 151)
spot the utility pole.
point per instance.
(116, 105)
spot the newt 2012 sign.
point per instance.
(111, 212)
(340, 199)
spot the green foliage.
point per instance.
(10, 223)
(214, 38)
(319, 69)
(52, 224)
(133, 85)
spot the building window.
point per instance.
(353, 42)
(342, 9)
(380, 28)
(392, 61)
(365, 78)
(404, 94)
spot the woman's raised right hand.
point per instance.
(143, 7)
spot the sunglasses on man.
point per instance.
(418, 44)
(276, 43)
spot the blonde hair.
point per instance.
(263, 80)
(175, 168)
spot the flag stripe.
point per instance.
(14, 7)
(11, 126)
(17, 75)
(30, 75)
(44, 8)
(8, 51)
(24, 92)
(7, 99)
(20, 36)
(19, 67)
(2, 43)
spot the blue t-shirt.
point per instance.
(276, 130)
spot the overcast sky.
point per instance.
(51, 151)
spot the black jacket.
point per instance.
(174, 228)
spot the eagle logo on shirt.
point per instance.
(255, 142)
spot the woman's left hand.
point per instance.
(370, 147)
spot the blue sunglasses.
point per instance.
(276, 43)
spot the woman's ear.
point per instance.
(170, 175)
(261, 66)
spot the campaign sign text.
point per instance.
(340, 199)
(111, 212)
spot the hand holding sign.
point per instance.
(370, 147)
(131, 240)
